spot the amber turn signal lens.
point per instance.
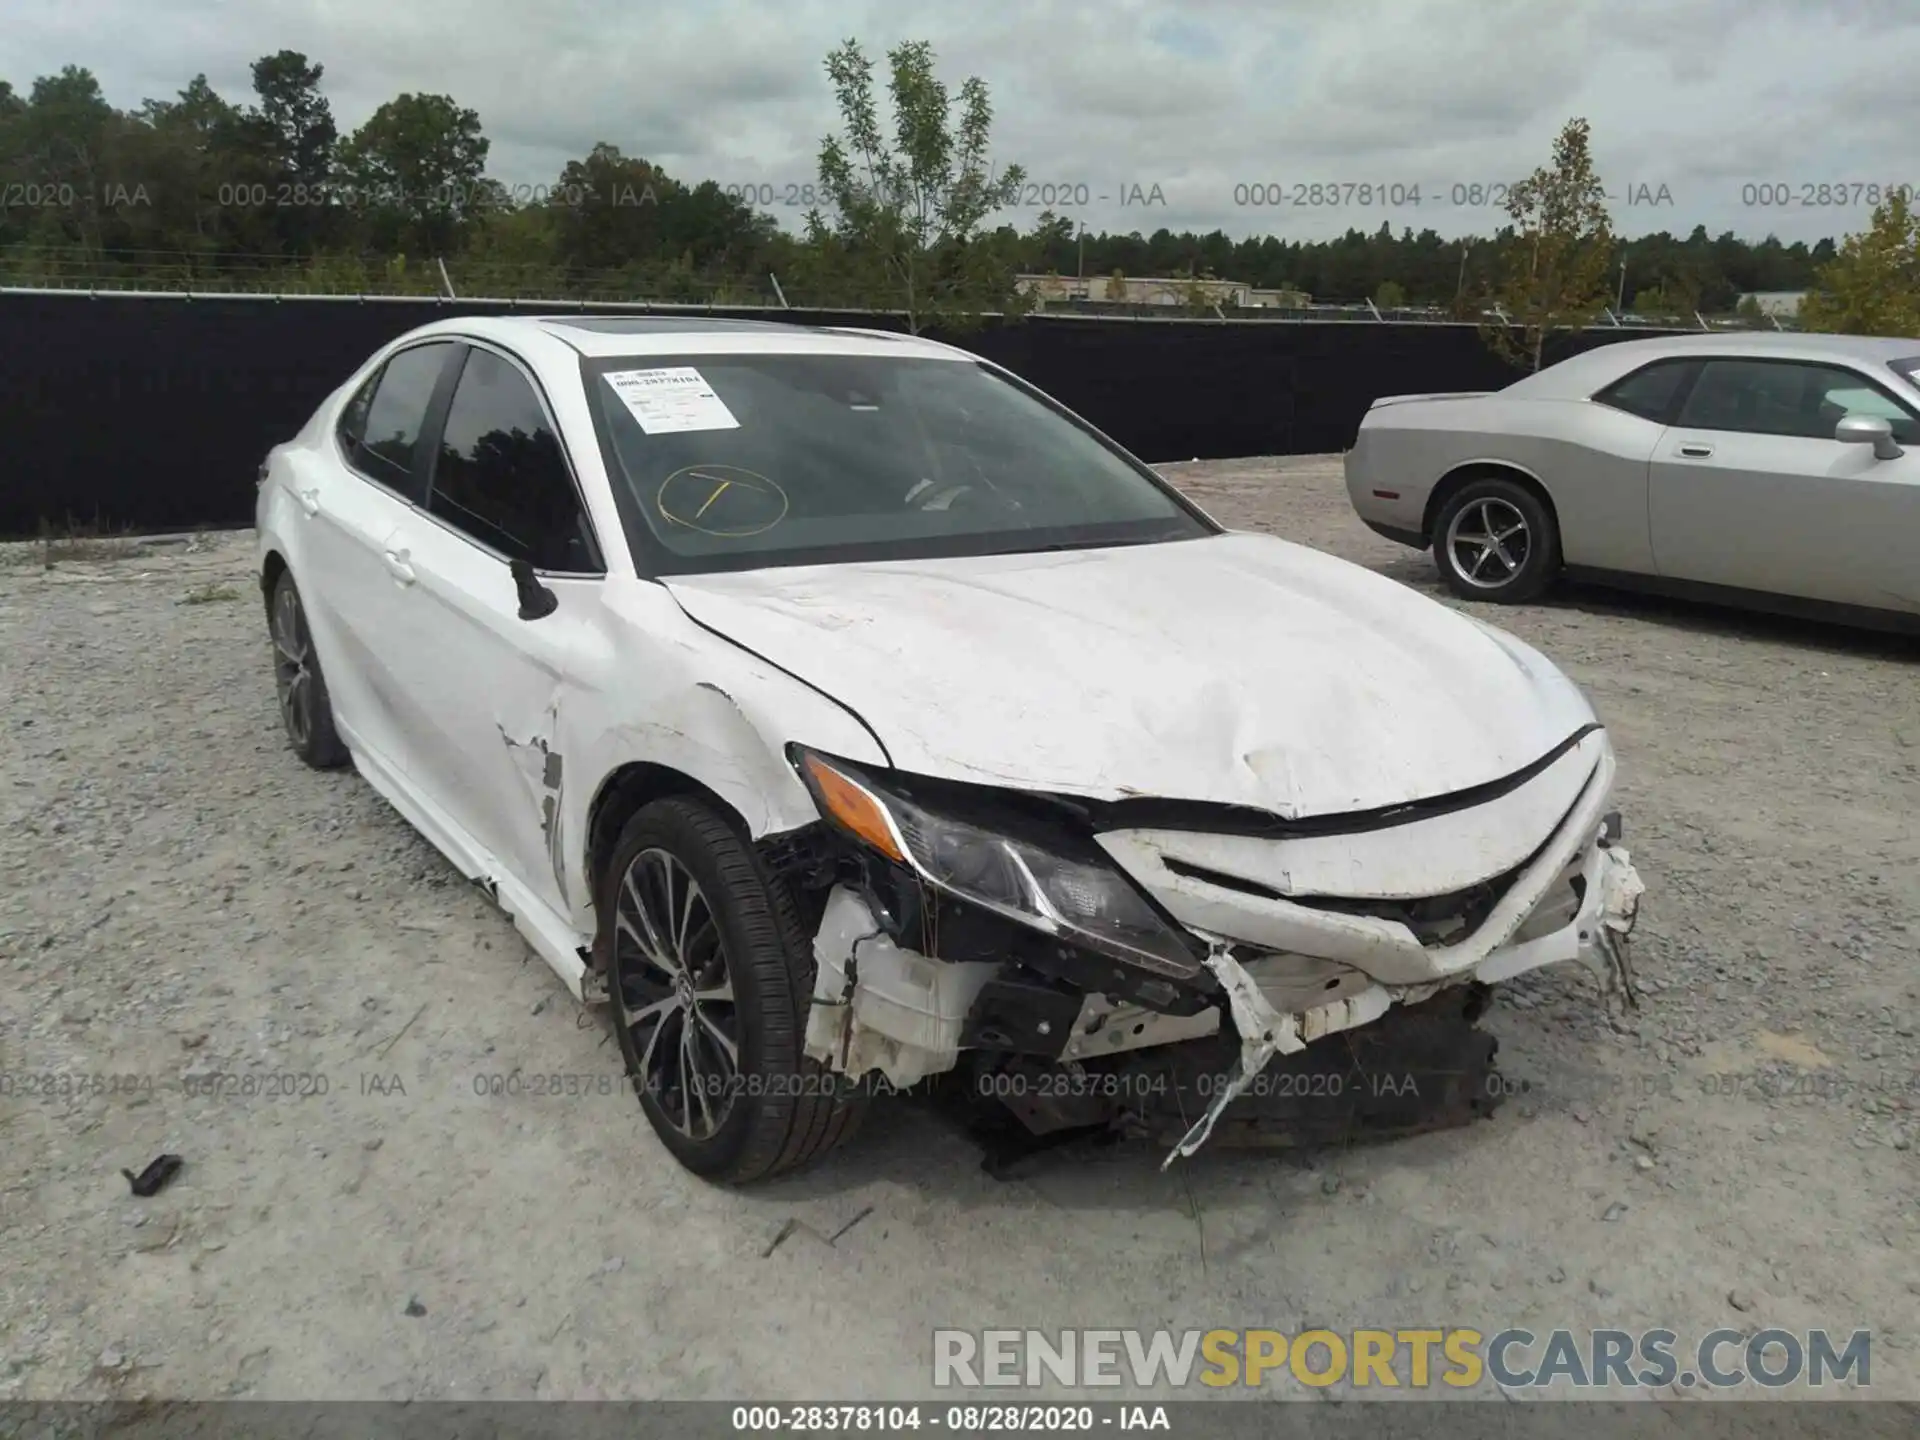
(853, 808)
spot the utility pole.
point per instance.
(1620, 300)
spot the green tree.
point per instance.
(1390, 296)
(1872, 287)
(416, 168)
(1555, 267)
(620, 212)
(1658, 302)
(1750, 312)
(510, 251)
(194, 154)
(287, 140)
(1682, 289)
(904, 213)
(63, 142)
(606, 209)
(1117, 285)
(295, 118)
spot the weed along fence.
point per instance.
(152, 411)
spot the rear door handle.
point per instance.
(398, 567)
(309, 500)
(1696, 450)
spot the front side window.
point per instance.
(1855, 397)
(500, 475)
(396, 414)
(1789, 398)
(726, 462)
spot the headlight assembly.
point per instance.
(1088, 904)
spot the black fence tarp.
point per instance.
(153, 412)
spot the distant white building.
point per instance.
(1137, 289)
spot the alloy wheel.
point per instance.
(1489, 542)
(292, 664)
(675, 994)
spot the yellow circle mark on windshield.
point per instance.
(721, 500)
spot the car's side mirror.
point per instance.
(536, 599)
(1869, 430)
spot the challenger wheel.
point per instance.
(1495, 540)
(711, 979)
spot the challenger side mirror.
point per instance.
(1869, 430)
(536, 599)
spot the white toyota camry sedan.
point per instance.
(847, 717)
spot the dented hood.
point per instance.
(1238, 669)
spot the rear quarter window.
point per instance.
(1652, 392)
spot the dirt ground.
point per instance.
(182, 898)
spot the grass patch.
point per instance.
(91, 547)
(209, 594)
(73, 540)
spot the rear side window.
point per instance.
(1651, 392)
(384, 446)
(501, 477)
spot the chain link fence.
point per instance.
(505, 281)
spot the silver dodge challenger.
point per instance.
(1773, 470)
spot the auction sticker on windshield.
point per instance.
(671, 399)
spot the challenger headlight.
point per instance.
(1088, 904)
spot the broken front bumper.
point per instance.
(879, 1007)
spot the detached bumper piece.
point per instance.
(1609, 901)
(1418, 1068)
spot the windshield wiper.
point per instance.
(1091, 544)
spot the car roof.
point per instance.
(564, 339)
(1582, 374)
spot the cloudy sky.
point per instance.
(1202, 113)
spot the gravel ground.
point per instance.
(183, 898)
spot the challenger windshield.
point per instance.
(738, 461)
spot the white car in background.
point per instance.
(843, 714)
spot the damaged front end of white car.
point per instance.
(1179, 970)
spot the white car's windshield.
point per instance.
(741, 461)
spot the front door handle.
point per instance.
(398, 567)
(309, 500)
(1695, 450)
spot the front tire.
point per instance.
(710, 978)
(1496, 540)
(306, 710)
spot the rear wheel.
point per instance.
(1495, 540)
(711, 979)
(306, 711)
